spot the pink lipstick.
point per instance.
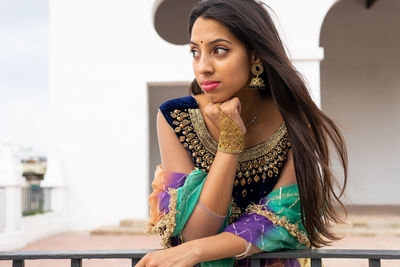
(209, 85)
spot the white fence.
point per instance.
(17, 230)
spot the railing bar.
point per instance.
(76, 262)
(315, 262)
(134, 262)
(138, 254)
(18, 263)
(374, 262)
(332, 253)
(255, 263)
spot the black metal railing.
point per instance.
(374, 256)
(35, 200)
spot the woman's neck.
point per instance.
(251, 103)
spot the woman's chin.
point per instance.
(215, 98)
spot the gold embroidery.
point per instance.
(235, 213)
(166, 225)
(294, 203)
(203, 159)
(248, 154)
(293, 229)
(283, 196)
(263, 160)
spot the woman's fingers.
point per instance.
(231, 108)
(172, 257)
(212, 112)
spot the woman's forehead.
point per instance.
(207, 30)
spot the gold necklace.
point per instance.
(253, 120)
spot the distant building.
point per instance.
(34, 170)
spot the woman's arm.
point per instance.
(209, 213)
(199, 250)
(173, 156)
(217, 190)
(216, 247)
(216, 194)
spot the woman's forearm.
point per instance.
(217, 189)
(216, 247)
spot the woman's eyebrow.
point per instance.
(214, 41)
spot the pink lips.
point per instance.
(209, 85)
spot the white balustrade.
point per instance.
(17, 230)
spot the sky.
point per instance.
(24, 74)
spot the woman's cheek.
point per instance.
(240, 80)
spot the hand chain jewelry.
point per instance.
(231, 139)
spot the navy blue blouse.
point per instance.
(258, 168)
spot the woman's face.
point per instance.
(221, 62)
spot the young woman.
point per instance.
(246, 159)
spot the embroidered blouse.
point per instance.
(273, 223)
(259, 166)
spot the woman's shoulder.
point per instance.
(180, 103)
(177, 108)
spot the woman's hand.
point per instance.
(179, 256)
(231, 108)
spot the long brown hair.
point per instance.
(311, 132)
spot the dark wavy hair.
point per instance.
(312, 133)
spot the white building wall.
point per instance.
(102, 54)
(299, 24)
(360, 91)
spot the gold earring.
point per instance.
(256, 82)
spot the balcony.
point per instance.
(76, 257)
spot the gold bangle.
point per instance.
(231, 139)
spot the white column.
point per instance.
(12, 181)
(53, 179)
(299, 24)
(307, 62)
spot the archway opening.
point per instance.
(360, 85)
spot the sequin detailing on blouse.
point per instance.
(259, 166)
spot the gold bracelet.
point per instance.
(231, 139)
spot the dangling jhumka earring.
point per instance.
(256, 82)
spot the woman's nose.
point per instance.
(205, 65)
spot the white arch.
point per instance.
(360, 82)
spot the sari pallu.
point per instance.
(272, 224)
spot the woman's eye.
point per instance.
(195, 53)
(221, 51)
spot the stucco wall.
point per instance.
(360, 85)
(102, 56)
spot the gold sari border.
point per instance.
(293, 229)
(166, 225)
